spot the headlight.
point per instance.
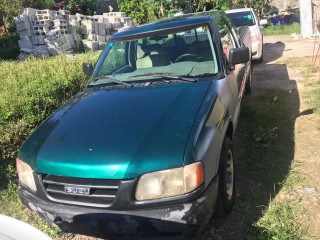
(170, 182)
(25, 174)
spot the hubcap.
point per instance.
(229, 175)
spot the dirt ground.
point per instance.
(306, 132)
(273, 73)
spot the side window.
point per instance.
(226, 37)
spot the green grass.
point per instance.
(282, 29)
(278, 223)
(267, 168)
(30, 91)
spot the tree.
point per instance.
(203, 5)
(86, 7)
(11, 8)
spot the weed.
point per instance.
(279, 223)
(267, 167)
(30, 91)
(282, 29)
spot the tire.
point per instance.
(226, 179)
(260, 60)
(248, 88)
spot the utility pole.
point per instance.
(306, 18)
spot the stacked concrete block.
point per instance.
(25, 43)
(44, 15)
(91, 45)
(46, 32)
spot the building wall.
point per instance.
(285, 5)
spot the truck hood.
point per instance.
(116, 134)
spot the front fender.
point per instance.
(209, 129)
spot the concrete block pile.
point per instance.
(47, 32)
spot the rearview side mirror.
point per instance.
(87, 68)
(263, 22)
(239, 55)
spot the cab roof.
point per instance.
(166, 25)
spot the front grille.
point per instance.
(101, 192)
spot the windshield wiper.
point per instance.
(112, 80)
(169, 76)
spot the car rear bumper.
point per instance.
(172, 222)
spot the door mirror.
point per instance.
(239, 55)
(263, 22)
(87, 68)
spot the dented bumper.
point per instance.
(178, 221)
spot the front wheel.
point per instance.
(226, 178)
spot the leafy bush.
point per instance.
(31, 90)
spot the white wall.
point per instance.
(306, 18)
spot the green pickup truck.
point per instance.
(145, 150)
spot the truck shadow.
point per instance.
(272, 52)
(264, 149)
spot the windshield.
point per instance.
(242, 18)
(188, 53)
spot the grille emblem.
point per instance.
(77, 190)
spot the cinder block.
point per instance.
(77, 38)
(22, 25)
(44, 28)
(116, 14)
(38, 40)
(113, 31)
(64, 12)
(62, 32)
(102, 45)
(32, 19)
(116, 25)
(73, 30)
(102, 29)
(113, 19)
(108, 25)
(108, 38)
(43, 22)
(53, 34)
(63, 28)
(40, 50)
(39, 33)
(53, 51)
(44, 12)
(44, 17)
(70, 40)
(25, 43)
(72, 17)
(25, 33)
(91, 45)
(88, 26)
(59, 22)
(80, 17)
(101, 38)
(96, 27)
(124, 19)
(127, 24)
(92, 37)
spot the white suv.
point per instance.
(247, 17)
